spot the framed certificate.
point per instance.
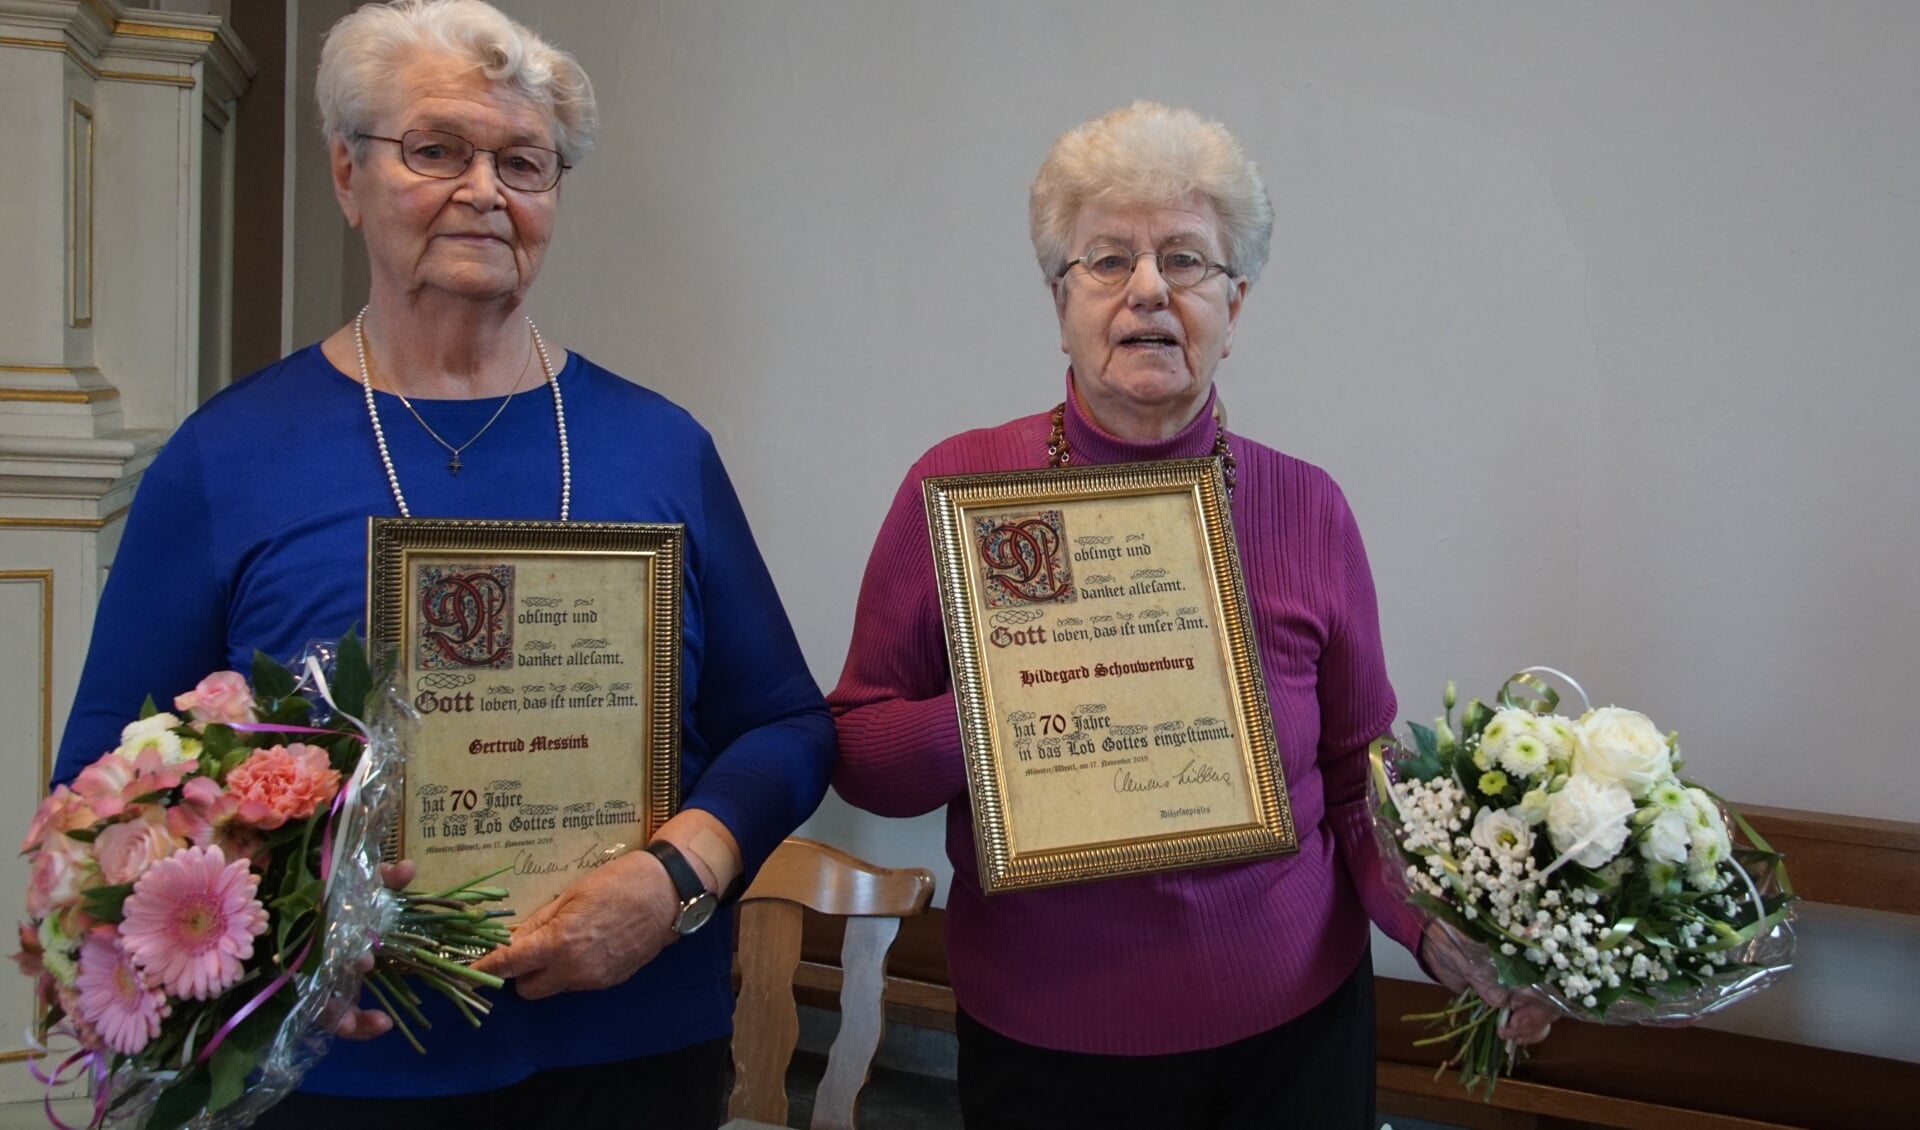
(543, 660)
(1112, 709)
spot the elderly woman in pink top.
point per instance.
(1229, 996)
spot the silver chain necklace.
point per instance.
(380, 435)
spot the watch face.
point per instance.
(695, 914)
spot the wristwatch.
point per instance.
(697, 903)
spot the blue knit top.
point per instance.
(249, 531)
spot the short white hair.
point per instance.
(367, 45)
(1149, 155)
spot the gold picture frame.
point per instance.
(1114, 720)
(543, 659)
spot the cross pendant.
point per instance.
(453, 464)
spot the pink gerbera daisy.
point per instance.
(191, 921)
(114, 996)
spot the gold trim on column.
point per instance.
(139, 76)
(156, 31)
(58, 395)
(80, 217)
(40, 44)
(62, 523)
(43, 577)
(20, 1056)
(55, 370)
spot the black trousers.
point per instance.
(683, 1090)
(1314, 1072)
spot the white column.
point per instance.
(117, 198)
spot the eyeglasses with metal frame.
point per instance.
(1181, 267)
(447, 156)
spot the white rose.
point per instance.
(1621, 747)
(1589, 819)
(1502, 832)
(1667, 838)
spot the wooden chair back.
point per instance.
(766, 1026)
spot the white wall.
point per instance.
(1603, 314)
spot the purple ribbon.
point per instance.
(87, 1059)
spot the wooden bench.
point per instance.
(1586, 1075)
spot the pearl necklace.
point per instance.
(380, 435)
(1059, 454)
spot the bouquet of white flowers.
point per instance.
(1571, 855)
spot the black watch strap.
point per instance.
(686, 883)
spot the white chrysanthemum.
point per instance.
(1588, 819)
(1706, 814)
(1506, 726)
(156, 733)
(1556, 733)
(58, 953)
(1709, 847)
(1670, 794)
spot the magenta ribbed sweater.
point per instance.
(1158, 963)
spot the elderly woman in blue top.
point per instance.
(450, 130)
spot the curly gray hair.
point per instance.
(1150, 155)
(361, 51)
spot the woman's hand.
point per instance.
(1530, 1016)
(595, 935)
(346, 1020)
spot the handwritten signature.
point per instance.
(526, 863)
(1195, 772)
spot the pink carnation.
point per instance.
(223, 696)
(283, 783)
(126, 849)
(114, 996)
(191, 921)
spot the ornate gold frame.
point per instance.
(1194, 486)
(395, 545)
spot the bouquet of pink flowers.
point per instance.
(1572, 859)
(202, 895)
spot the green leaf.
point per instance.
(104, 903)
(228, 1072)
(84, 835)
(147, 708)
(343, 754)
(270, 679)
(184, 1098)
(217, 740)
(290, 711)
(1425, 764)
(352, 678)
